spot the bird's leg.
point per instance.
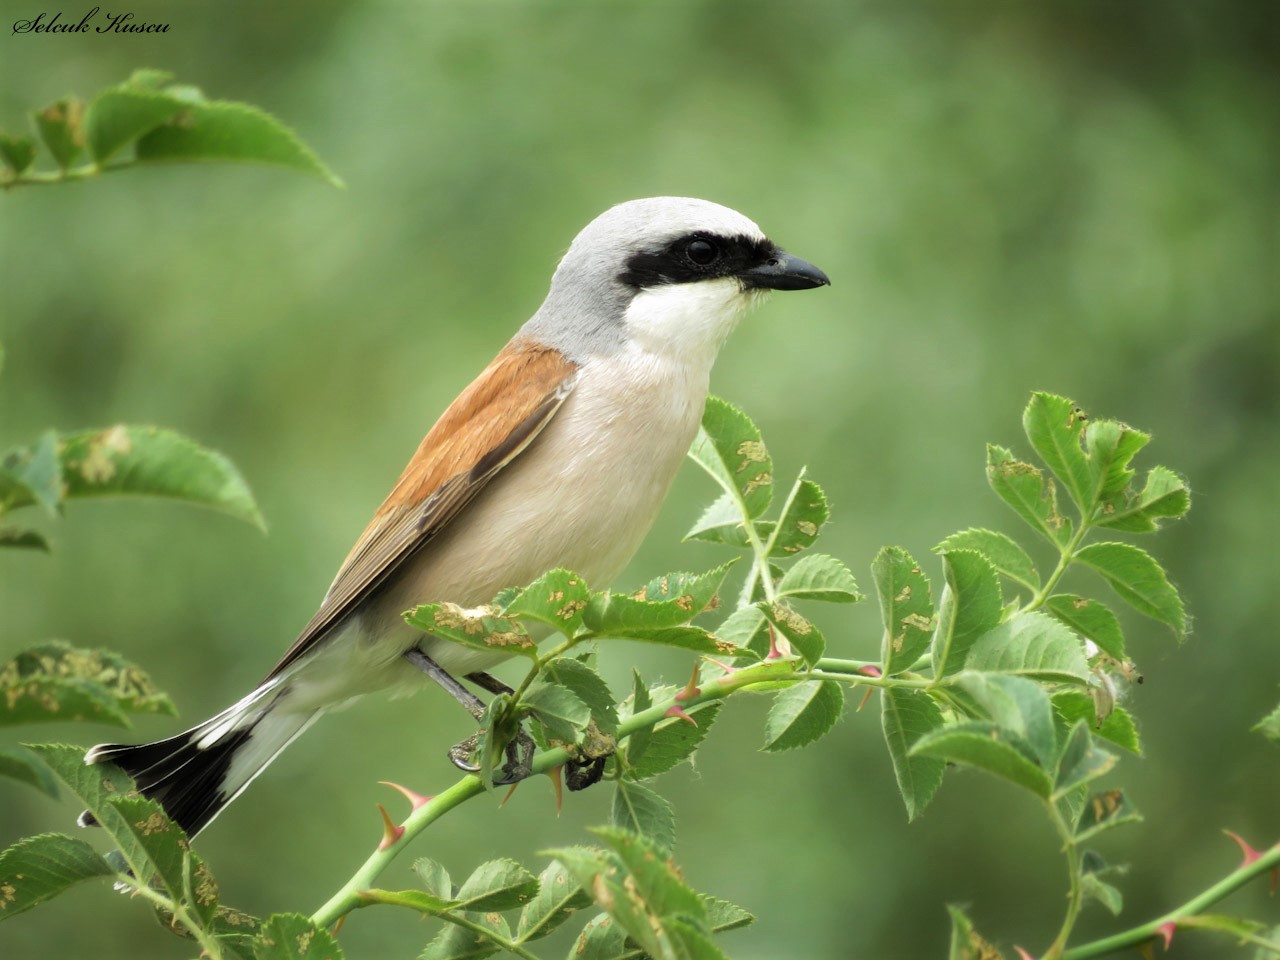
(488, 682)
(519, 749)
(473, 704)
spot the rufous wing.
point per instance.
(490, 424)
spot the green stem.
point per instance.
(511, 946)
(62, 176)
(1270, 860)
(1064, 560)
(208, 942)
(1075, 895)
(348, 898)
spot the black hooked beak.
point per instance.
(782, 271)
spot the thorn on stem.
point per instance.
(414, 798)
(865, 697)
(691, 689)
(558, 783)
(1166, 931)
(871, 670)
(1246, 848)
(510, 792)
(675, 711)
(390, 831)
(1022, 954)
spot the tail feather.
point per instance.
(196, 773)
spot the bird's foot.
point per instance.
(517, 756)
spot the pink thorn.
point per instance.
(1246, 848)
(871, 670)
(1166, 931)
(417, 799)
(554, 774)
(691, 689)
(674, 711)
(1023, 954)
(723, 666)
(865, 697)
(390, 832)
(779, 649)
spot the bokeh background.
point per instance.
(1080, 197)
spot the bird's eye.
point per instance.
(702, 252)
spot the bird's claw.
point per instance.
(517, 755)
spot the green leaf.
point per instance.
(906, 716)
(803, 515)
(1090, 618)
(669, 601)
(434, 877)
(1030, 645)
(674, 741)
(588, 686)
(802, 713)
(1033, 496)
(1138, 580)
(1117, 726)
(1109, 447)
(1269, 726)
(966, 942)
(479, 629)
(637, 885)
(558, 896)
(970, 606)
(17, 151)
(459, 943)
(32, 476)
(20, 763)
(729, 448)
(638, 741)
(744, 630)
(418, 900)
(1094, 888)
(291, 936)
(819, 577)
(722, 522)
(984, 745)
(497, 885)
(1055, 427)
(1083, 761)
(805, 638)
(1018, 707)
(171, 862)
(95, 786)
(39, 868)
(153, 462)
(60, 127)
(56, 681)
(558, 709)
(1165, 495)
(603, 939)
(905, 608)
(231, 132)
(723, 915)
(1103, 811)
(556, 598)
(120, 115)
(638, 809)
(1001, 552)
(22, 539)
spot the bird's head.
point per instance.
(668, 273)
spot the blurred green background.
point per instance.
(1080, 197)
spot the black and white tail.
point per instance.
(197, 773)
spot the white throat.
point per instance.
(688, 321)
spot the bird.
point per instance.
(558, 455)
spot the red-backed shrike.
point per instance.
(558, 455)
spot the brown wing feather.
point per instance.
(490, 424)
